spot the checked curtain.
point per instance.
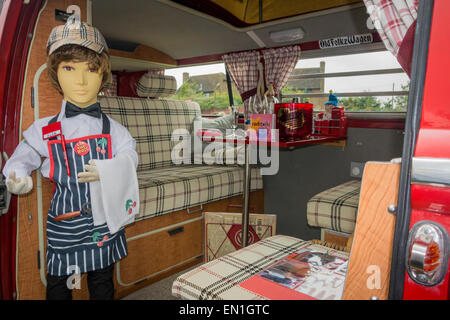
(395, 21)
(278, 64)
(243, 70)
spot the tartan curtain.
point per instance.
(395, 22)
(243, 70)
(279, 64)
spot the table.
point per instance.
(310, 140)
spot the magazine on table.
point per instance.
(309, 273)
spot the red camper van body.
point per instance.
(429, 202)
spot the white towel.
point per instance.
(115, 197)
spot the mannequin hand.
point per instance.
(91, 173)
(20, 185)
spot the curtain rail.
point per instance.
(346, 74)
(349, 94)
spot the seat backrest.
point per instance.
(151, 122)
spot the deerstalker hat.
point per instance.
(76, 32)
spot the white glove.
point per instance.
(20, 185)
(91, 173)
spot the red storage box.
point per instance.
(293, 120)
(337, 113)
(334, 127)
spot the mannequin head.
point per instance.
(79, 73)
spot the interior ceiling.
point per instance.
(182, 32)
(242, 13)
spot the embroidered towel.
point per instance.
(115, 197)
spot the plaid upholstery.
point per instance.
(169, 189)
(163, 186)
(153, 85)
(220, 153)
(392, 20)
(151, 123)
(111, 90)
(335, 208)
(220, 278)
(76, 32)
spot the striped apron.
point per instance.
(75, 245)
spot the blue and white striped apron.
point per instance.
(75, 244)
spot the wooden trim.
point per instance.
(142, 52)
(369, 266)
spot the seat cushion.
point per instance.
(335, 208)
(152, 123)
(156, 86)
(164, 190)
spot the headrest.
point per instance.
(156, 86)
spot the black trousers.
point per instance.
(100, 285)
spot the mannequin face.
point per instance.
(80, 83)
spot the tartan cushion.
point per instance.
(111, 90)
(151, 123)
(156, 86)
(335, 208)
(220, 278)
(169, 189)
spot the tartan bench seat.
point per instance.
(163, 186)
(169, 189)
(335, 208)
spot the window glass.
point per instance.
(389, 83)
(207, 85)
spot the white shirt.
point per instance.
(27, 156)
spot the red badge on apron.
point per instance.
(52, 130)
(81, 148)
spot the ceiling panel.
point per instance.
(181, 34)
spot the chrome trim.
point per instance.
(195, 210)
(417, 256)
(434, 171)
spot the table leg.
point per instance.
(246, 192)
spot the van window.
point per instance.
(366, 82)
(207, 85)
(382, 87)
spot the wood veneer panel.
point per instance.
(370, 257)
(143, 52)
